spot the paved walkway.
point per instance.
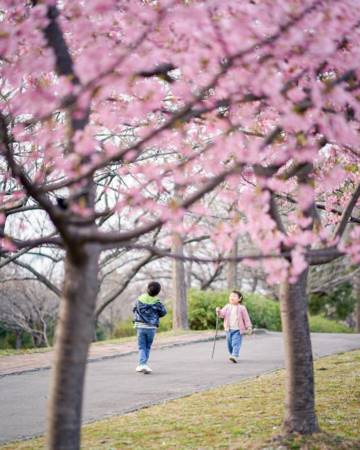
(16, 364)
(112, 387)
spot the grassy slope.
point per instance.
(238, 416)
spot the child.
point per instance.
(147, 311)
(236, 323)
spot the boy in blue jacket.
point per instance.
(147, 311)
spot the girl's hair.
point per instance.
(239, 294)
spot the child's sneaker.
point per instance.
(234, 359)
(140, 368)
(147, 369)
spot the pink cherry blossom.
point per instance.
(173, 98)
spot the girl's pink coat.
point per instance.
(243, 317)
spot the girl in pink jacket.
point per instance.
(236, 323)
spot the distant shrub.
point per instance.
(8, 339)
(166, 321)
(319, 324)
(337, 304)
(100, 333)
(264, 312)
(201, 308)
(124, 328)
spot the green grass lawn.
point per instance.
(238, 416)
(23, 351)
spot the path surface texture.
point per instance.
(112, 386)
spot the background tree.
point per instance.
(27, 308)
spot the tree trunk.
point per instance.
(18, 341)
(37, 339)
(189, 272)
(73, 336)
(45, 331)
(180, 315)
(232, 268)
(300, 414)
(254, 284)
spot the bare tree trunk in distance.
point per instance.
(300, 413)
(73, 336)
(254, 283)
(180, 314)
(189, 270)
(18, 342)
(232, 268)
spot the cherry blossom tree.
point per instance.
(161, 103)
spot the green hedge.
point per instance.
(319, 324)
(337, 304)
(264, 313)
(126, 327)
(8, 339)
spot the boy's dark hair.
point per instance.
(239, 294)
(153, 288)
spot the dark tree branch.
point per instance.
(41, 278)
(205, 284)
(32, 243)
(129, 277)
(29, 187)
(56, 41)
(339, 231)
(311, 255)
(114, 237)
(289, 199)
